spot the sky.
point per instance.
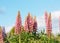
(10, 8)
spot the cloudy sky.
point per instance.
(9, 9)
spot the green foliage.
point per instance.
(26, 37)
(12, 31)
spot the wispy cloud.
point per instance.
(2, 10)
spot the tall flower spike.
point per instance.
(30, 23)
(1, 35)
(18, 23)
(35, 25)
(46, 20)
(26, 25)
(48, 23)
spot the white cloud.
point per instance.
(8, 28)
(55, 14)
(41, 23)
(55, 21)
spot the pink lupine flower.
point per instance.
(35, 25)
(1, 35)
(29, 23)
(48, 23)
(18, 24)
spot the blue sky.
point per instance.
(9, 9)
